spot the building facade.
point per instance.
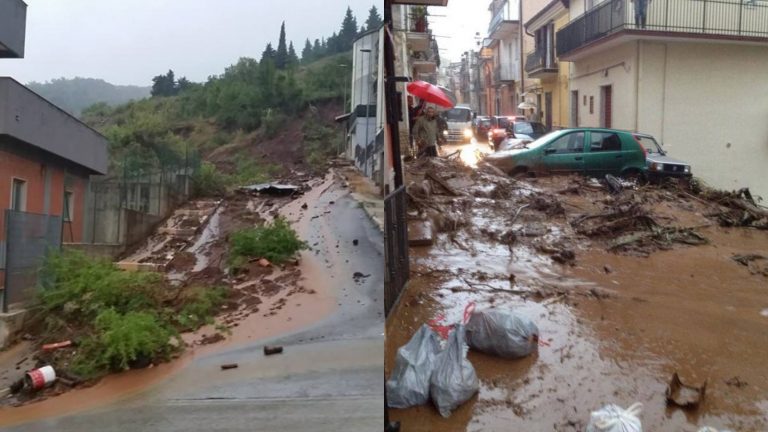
(542, 64)
(690, 72)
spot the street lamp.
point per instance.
(367, 104)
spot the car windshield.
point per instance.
(458, 115)
(528, 128)
(546, 139)
(649, 143)
(503, 122)
(485, 122)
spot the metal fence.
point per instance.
(396, 247)
(28, 238)
(154, 193)
(728, 18)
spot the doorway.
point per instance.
(548, 110)
(606, 102)
(575, 108)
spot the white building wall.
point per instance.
(707, 102)
(715, 112)
(614, 68)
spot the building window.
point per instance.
(19, 195)
(591, 104)
(69, 204)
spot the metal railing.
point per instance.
(396, 247)
(506, 12)
(538, 59)
(734, 18)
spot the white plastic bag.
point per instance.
(502, 333)
(409, 383)
(454, 380)
(613, 418)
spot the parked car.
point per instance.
(481, 127)
(514, 127)
(591, 151)
(657, 162)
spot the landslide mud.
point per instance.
(614, 325)
(287, 299)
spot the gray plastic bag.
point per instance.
(454, 380)
(502, 333)
(409, 383)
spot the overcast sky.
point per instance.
(130, 41)
(459, 20)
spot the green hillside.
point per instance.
(74, 95)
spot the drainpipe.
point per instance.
(522, 48)
(637, 85)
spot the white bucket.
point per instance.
(40, 378)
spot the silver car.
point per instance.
(657, 162)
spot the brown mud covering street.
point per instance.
(191, 249)
(627, 289)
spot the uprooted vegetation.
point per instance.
(116, 320)
(276, 242)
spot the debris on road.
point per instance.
(454, 380)
(39, 378)
(613, 184)
(683, 395)
(613, 418)
(274, 189)
(57, 345)
(502, 333)
(272, 349)
(229, 366)
(408, 385)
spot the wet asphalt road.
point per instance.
(329, 378)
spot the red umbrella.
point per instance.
(431, 93)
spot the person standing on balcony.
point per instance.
(641, 11)
(425, 132)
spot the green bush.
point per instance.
(78, 287)
(275, 241)
(121, 339)
(208, 181)
(200, 307)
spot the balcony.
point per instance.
(13, 23)
(504, 73)
(615, 21)
(421, 2)
(505, 22)
(540, 65)
(418, 41)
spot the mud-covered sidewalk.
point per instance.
(626, 289)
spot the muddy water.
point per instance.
(691, 310)
(202, 245)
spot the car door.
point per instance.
(564, 154)
(603, 154)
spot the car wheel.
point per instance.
(519, 172)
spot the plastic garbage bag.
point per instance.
(409, 383)
(454, 380)
(502, 333)
(613, 418)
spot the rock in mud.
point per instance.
(272, 349)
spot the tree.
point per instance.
(306, 53)
(269, 53)
(164, 85)
(348, 32)
(183, 84)
(281, 58)
(374, 20)
(293, 59)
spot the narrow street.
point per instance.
(328, 377)
(615, 323)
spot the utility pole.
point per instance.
(367, 105)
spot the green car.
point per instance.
(591, 151)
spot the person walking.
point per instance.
(641, 12)
(425, 132)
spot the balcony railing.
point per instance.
(537, 60)
(507, 12)
(729, 18)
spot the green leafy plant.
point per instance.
(275, 241)
(200, 307)
(208, 181)
(121, 339)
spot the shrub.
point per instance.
(276, 241)
(200, 307)
(121, 339)
(208, 181)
